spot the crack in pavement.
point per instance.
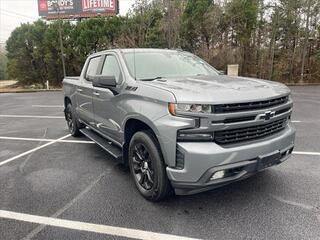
(313, 209)
(38, 229)
(22, 165)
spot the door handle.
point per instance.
(96, 94)
(79, 90)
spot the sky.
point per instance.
(15, 12)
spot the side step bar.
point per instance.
(104, 143)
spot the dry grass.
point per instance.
(12, 86)
(7, 83)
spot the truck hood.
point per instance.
(220, 89)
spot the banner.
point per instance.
(52, 9)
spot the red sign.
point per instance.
(98, 5)
(43, 6)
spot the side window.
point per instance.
(111, 68)
(92, 67)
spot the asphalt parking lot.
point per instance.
(53, 186)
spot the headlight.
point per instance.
(189, 108)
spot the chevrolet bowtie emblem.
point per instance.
(268, 115)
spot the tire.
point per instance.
(147, 167)
(72, 122)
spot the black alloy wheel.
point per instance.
(142, 166)
(147, 166)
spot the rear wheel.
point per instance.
(147, 167)
(72, 122)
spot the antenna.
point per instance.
(134, 63)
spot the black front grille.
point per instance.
(237, 107)
(249, 133)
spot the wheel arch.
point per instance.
(133, 125)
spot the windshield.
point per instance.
(166, 64)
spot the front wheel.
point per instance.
(72, 122)
(147, 167)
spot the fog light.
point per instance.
(184, 136)
(217, 175)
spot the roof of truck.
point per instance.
(129, 50)
(147, 49)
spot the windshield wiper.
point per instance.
(150, 79)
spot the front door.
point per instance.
(107, 113)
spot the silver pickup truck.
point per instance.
(176, 121)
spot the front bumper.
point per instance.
(201, 160)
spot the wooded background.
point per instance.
(278, 40)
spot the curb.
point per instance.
(31, 90)
(302, 84)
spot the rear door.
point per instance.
(107, 113)
(84, 92)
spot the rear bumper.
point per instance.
(202, 160)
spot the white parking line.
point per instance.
(48, 106)
(306, 153)
(90, 227)
(33, 150)
(28, 116)
(43, 140)
(295, 121)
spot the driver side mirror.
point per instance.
(104, 81)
